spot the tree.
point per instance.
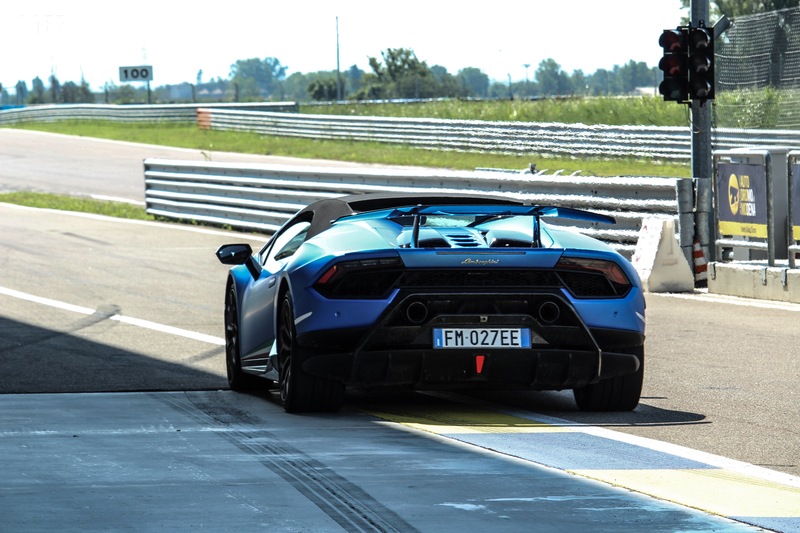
(295, 87)
(353, 80)
(124, 94)
(401, 64)
(22, 92)
(501, 91)
(552, 80)
(323, 89)
(37, 91)
(257, 78)
(445, 84)
(601, 83)
(474, 81)
(55, 90)
(580, 83)
(401, 75)
(633, 75)
(74, 93)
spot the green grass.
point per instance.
(75, 203)
(189, 136)
(614, 111)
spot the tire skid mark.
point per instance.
(343, 501)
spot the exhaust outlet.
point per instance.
(549, 312)
(416, 312)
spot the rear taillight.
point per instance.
(360, 279)
(593, 278)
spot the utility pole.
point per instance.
(527, 90)
(701, 113)
(338, 72)
(702, 167)
(702, 156)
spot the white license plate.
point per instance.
(481, 338)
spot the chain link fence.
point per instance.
(758, 72)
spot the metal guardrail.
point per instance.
(555, 139)
(130, 113)
(467, 135)
(262, 197)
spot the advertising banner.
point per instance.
(795, 199)
(741, 197)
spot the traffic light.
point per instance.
(675, 64)
(701, 63)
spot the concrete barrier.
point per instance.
(659, 260)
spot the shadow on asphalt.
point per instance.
(561, 405)
(558, 404)
(40, 360)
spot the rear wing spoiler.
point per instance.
(416, 212)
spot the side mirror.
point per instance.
(239, 254)
(234, 254)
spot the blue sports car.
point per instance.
(433, 292)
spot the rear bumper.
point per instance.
(509, 369)
(398, 349)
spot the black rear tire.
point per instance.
(300, 391)
(621, 393)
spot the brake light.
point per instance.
(593, 277)
(326, 277)
(363, 278)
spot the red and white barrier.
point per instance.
(700, 262)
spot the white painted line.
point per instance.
(234, 236)
(665, 447)
(675, 450)
(46, 301)
(169, 329)
(146, 324)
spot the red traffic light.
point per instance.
(674, 64)
(672, 40)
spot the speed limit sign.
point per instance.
(143, 73)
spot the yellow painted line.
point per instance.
(462, 419)
(716, 491)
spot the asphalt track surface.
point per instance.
(92, 307)
(63, 164)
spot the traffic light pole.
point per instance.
(702, 167)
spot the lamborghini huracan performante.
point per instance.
(433, 292)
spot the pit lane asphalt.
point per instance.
(83, 303)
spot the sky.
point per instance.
(91, 39)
